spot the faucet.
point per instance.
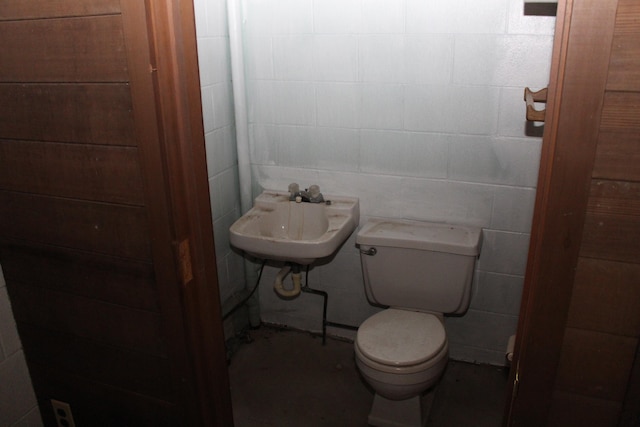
(308, 195)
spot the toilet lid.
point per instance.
(400, 337)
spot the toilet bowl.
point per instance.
(401, 353)
(421, 270)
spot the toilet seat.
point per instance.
(401, 340)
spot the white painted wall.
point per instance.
(414, 106)
(18, 406)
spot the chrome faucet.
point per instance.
(308, 195)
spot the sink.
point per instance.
(282, 230)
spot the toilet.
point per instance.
(420, 271)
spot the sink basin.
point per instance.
(282, 230)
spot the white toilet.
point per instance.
(421, 270)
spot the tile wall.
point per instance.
(219, 124)
(18, 406)
(415, 107)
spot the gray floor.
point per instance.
(285, 378)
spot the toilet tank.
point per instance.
(419, 265)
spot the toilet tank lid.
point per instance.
(429, 236)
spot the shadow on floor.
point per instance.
(286, 378)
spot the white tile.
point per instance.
(292, 16)
(320, 148)
(508, 161)
(497, 293)
(223, 113)
(258, 56)
(519, 23)
(221, 150)
(261, 101)
(456, 16)
(481, 329)
(9, 338)
(382, 106)
(293, 57)
(404, 154)
(229, 191)
(32, 419)
(451, 109)
(339, 104)
(294, 103)
(500, 60)
(513, 209)
(429, 58)
(217, 24)
(264, 141)
(200, 12)
(207, 109)
(443, 201)
(383, 16)
(381, 58)
(259, 16)
(337, 16)
(335, 58)
(17, 397)
(504, 252)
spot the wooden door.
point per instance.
(576, 360)
(106, 240)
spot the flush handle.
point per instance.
(370, 251)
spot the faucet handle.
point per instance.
(294, 188)
(314, 191)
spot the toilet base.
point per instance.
(412, 412)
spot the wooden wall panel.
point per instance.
(85, 49)
(618, 156)
(116, 230)
(101, 173)
(100, 405)
(20, 9)
(573, 410)
(605, 297)
(135, 330)
(98, 362)
(612, 226)
(88, 113)
(107, 279)
(624, 68)
(621, 112)
(595, 364)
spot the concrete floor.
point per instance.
(286, 378)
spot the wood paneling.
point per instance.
(109, 229)
(19, 9)
(97, 362)
(135, 330)
(605, 297)
(624, 68)
(569, 409)
(621, 112)
(107, 279)
(100, 405)
(102, 173)
(595, 364)
(618, 156)
(88, 113)
(83, 49)
(612, 226)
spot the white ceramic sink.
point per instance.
(282, 230)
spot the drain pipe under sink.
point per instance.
(296, 277)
